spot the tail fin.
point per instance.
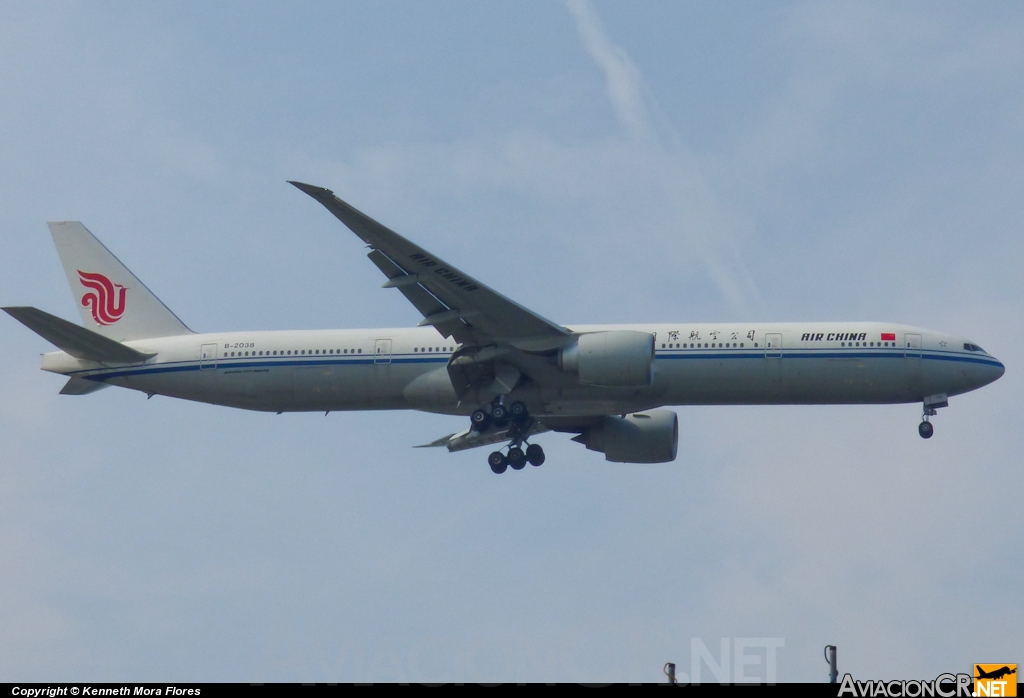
(111, 300)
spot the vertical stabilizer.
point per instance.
(111, 300)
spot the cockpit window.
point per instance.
(973, 347)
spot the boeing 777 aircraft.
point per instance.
(481, 355)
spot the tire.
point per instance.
(535, 454)
(516, 458)
(518, 410)
(925, 429)
(499, 413)
(479, 419)
(497, 462)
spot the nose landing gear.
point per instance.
(925, 428)
(931, 404)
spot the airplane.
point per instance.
(996, 673)
(482, 356)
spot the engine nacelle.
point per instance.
(618, 358)
(644, 437)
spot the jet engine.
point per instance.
(618, 358)
(644, 437)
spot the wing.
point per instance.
(474, 439)
(455, 303)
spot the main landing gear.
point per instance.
(516, 458)
(516, 418)
(500, 415)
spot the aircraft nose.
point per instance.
(991, 371)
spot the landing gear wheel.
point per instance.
(516, 458)
(479, 420)
(499, 413)
(535, 454)
(925, 429)
(518, 410)
(497, 462)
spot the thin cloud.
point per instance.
(624, 83)
(689, 200)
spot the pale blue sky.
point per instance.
(606, 162)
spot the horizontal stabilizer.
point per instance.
(75, 339)
(82, 386)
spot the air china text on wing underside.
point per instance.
(480, 355)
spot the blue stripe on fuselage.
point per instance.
(258, 362)
(370, 359)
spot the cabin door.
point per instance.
(207, 356)
(382, 351)
(913, 350)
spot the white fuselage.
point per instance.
(696, 364)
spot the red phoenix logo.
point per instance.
(105, 300)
